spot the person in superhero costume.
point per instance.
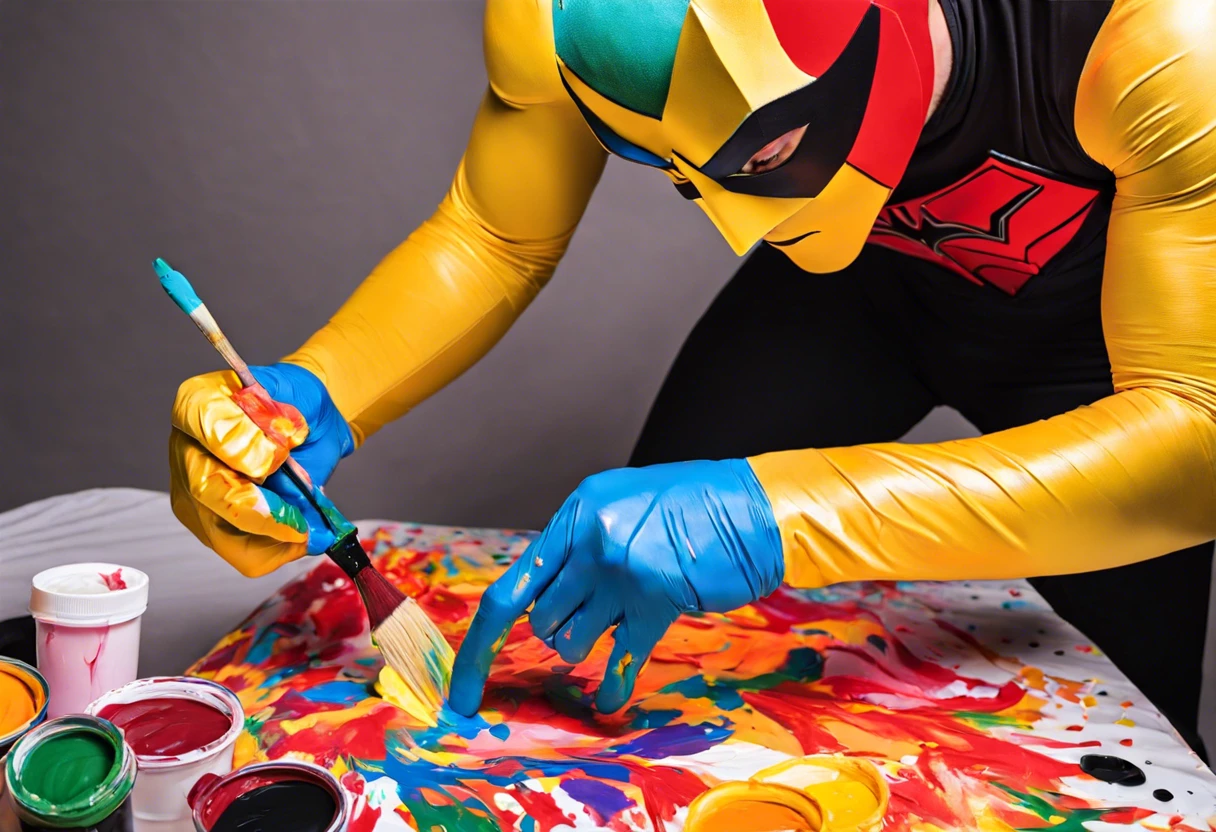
(1006, 206)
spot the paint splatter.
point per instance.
(910, 677)
(113, 581)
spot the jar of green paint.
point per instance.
(72, 774)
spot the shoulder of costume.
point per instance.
(1150, 77)
(519, 53)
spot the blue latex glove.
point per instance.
(329, 441)
(635, 548)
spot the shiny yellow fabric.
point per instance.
(216, 453)
(1130, 477)
(445, 296)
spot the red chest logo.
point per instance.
(999, 224)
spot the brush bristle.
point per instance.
(379, 596)
(411, 643)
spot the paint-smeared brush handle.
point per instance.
(179, 290)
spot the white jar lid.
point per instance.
(89, 594)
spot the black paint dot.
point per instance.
(1059, 653)
(1163, 795)
(878, 641)
(975, 597)
(1115, 770)
(1103, 693)
(1034, 644)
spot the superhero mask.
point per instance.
(695, 88)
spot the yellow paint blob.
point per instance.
(20, 699)
(757, 807)
(392, 688)
(808, 794)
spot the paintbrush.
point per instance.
(411, 643)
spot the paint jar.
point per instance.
(292, 796)
(180, 729)
(72, 773)
(23, 700)
(87, 620)
(23, 697)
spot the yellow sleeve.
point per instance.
(445, 296)
(1130, 477)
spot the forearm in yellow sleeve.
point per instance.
(1130, 477)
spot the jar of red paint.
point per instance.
(180, 729)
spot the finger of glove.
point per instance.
(503, 602)
(578, 636)
(320, 535)
(565, 593)
(241, 503)
(634, 639)
(251, 555)
(206, 411)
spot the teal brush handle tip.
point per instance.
(176, 286)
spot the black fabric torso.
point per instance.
(1012, 89)
(1009, 103)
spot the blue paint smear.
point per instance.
(337, 693)
(500, 731)
(176, 286)
(527, 824)
(675, 740)
(1015, 605)
(653, 719)
(451, 722)
(607, 801)
(412, 775)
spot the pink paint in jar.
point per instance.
(88, 620)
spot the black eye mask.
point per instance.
(833, 107)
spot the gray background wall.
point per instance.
(275, 151)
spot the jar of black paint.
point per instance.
(286, 796)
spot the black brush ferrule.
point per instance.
(348, 553)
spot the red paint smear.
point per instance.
(664, 788)
(364, 816)
(281, 423)
(114, 581)
(1047, 742)
(362, 737)
(913, 673)
(1127, 816)
(1126, 743)
(947, 744)
(444, 605)
(542, 808)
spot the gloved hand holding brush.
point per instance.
(221, 460)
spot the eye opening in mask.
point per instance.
(831, 107)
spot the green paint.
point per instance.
(623, 49)
(68, 767)
(284, 512)
(1074, 820)
(337, 522)
(986, 721)
(452, 817)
